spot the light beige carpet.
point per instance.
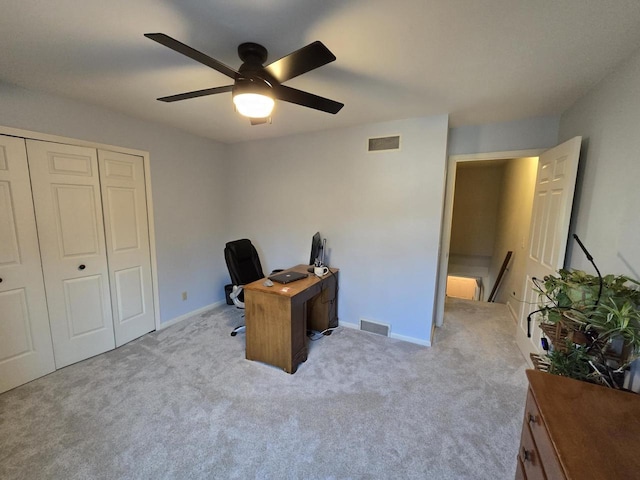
(184, 403)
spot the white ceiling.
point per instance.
(478, 60)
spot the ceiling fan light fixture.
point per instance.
(253, 98)
(255, 85)
(253, 105)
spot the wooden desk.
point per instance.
(576, 430)
(277, 317)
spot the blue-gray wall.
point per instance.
(526, 134)
(187, 177)
(607, 202)
(380, 213)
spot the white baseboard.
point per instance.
(418, 341)
(353, 326)
(513, 312)
(173, 321)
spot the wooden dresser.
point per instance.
(576, 430)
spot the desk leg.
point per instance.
(299, 340)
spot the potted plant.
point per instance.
(591, 325)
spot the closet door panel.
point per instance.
(26, 350)
(127, 236)
(66, 192)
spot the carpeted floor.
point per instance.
(184, 403)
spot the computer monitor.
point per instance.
(316, 248)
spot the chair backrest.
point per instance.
(243, 262)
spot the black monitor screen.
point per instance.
(316, 248)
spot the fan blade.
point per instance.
(301, 61)
(179, 47)
(197, 93)
(306, 99)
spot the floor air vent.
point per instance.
(381, 144)
(375, 327)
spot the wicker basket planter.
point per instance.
(566, 331)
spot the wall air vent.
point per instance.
(375, 327)
(381, 144)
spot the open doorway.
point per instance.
(475, 226)
(491, 216)
(492, 196)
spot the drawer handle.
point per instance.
(0, 280)
(527, 455)
(533, 418)
(82, 267)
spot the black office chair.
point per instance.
(244, 267)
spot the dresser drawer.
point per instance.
(546, 450)
(520, 471)
(529, 457)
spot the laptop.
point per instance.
(288, 277)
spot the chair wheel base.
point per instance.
(237, 330)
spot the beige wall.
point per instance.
(475, 209)
(512, 228)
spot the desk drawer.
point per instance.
(548, 456)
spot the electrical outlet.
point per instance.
(184, 296)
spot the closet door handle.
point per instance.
(82, 267)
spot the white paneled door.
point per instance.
(127, 237)
(26, 351)
(552, 204)
(66, 194)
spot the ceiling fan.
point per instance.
(256, 86)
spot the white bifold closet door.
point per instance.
(91, 214)
(75, 264)
(26, 351)
(127, 235)
(66, 194)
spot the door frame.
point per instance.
(447, 216)
(28, 134)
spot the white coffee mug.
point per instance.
(320, 271)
